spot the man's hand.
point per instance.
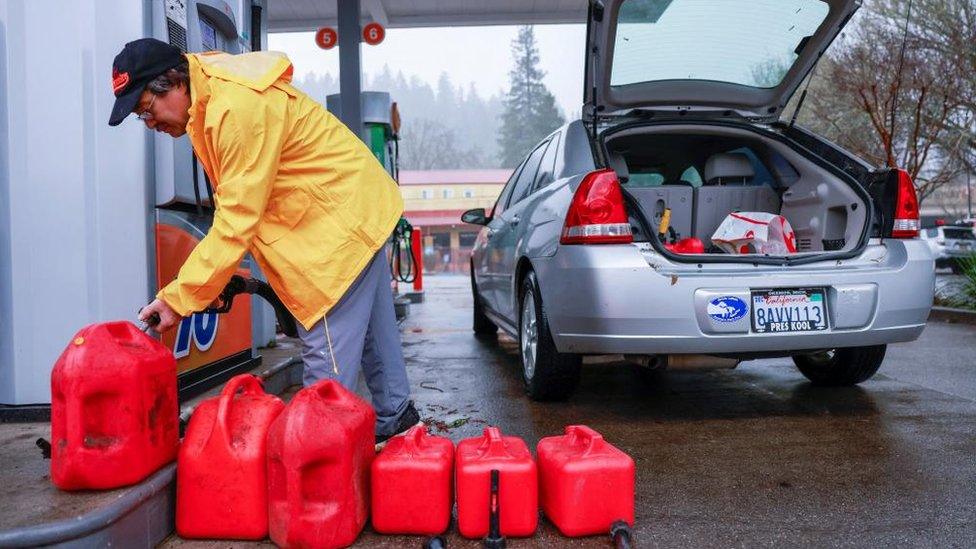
(168, 319)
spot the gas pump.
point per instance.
(381, 120)
(209, 347)
(94, 219)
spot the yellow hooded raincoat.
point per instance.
(292, 184)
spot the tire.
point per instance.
(841, 367)
(548, 374)
(482, 325)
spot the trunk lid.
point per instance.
(748, 56)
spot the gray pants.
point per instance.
(365, 338)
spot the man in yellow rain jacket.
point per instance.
(295, 188)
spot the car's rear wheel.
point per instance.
(548, 374)
(482, 325)
(841, 367)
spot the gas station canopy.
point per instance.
(349, 17)
(307, 15)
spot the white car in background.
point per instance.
(950, 244)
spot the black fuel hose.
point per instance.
(403, 267)
(621, 535)
(240, 285)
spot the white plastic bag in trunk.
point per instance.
(755, 233)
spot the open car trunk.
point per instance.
(703, 173)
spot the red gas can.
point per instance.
(518, 489)
(586, 483)
(114, 417)
(319, 454)
(411, 484)
(222, 481)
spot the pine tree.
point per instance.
(443, 129)
(530, 109)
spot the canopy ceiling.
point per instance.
(308, 15)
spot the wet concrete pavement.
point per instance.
(749, 457)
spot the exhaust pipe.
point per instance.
(683, 362)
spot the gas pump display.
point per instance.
(208, 346)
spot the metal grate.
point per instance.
(177, 34)
(833, 244)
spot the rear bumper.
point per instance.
(618, 299)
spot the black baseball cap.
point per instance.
(138, 64)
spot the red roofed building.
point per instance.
(434, 201)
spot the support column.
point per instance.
(350, 66)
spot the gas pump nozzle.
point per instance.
(151, 322)
(240, 285)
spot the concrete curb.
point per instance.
(143, 516)
(953, 315)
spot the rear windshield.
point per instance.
(959, 234)
(749, 42)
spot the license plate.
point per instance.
(789, 310)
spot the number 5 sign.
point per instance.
(326, 38)
(373, 34)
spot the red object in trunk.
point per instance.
(586, 483)
(689, 245)
(319, 454)
(222, 482)
(114, 416)
(411, 484)
(518, 492)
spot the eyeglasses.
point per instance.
(145, 114)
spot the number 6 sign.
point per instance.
(373, 34)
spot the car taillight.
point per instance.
(597, 214)
(906, 208)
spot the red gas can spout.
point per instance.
(127, 335)
(332, 391)
(494, 444)
(590, 440)
(413, 439)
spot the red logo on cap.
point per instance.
(119, 80)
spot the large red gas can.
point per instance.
(319, 454)
(586, 483)
(518, 488)
(114, 417)
(411, 484)
(222, 481)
